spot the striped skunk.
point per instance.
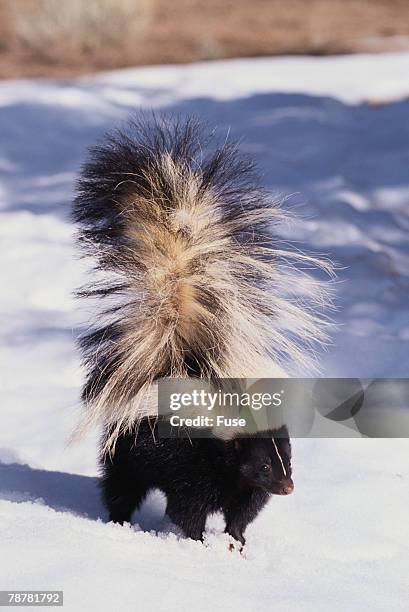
(193, 284)
(199, 477)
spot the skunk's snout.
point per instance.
(287, 487)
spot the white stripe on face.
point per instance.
(279, 456)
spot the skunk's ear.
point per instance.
(281, 432)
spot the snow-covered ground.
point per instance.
(331, 133)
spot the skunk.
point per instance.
(189, 269)
(199, 477)
(193, 284)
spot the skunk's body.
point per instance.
(185, 249)
(195, 283)
(199, 477)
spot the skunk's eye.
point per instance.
(265, 468)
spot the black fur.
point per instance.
(198, 476)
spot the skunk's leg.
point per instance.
(235, 526)
(183, 513)
(122, 494)
(240, 512)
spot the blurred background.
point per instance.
(62, 38)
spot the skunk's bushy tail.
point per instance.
(185, 240)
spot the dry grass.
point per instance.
(53, 29)
(66, 37)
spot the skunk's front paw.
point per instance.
(236, 546)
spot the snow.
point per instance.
(331, 136)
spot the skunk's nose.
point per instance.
(288, 488)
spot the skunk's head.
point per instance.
(265, 461)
